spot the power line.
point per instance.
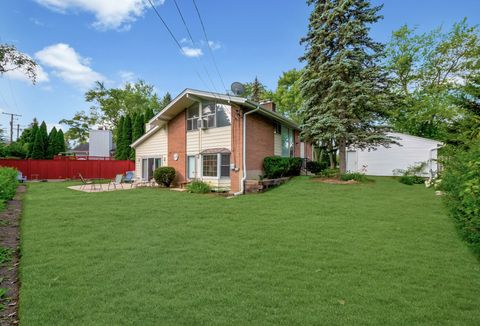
(193, 44)
(12, 115)
(208, 44)
(176, 41)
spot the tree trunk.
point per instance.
(342, 152)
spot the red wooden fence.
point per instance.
(69, 169)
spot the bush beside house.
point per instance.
(8, 184)
(279, 167)
(164, 175)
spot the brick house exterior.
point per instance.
(201, 135)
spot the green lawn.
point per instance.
(304, 253)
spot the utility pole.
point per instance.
(18, 130)
(12, 115)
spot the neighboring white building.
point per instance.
(100, 143)
(383, 161)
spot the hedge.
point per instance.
(461, 183)
(278, 167)
(8, 183)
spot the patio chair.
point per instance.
(85, 182)
(129, 178)
(21, 178)
(118, 181)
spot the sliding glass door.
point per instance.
(149, 165)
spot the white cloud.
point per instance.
(19, 74)
(214, 45)
(191, 52)
(109, 14)
(67, 64)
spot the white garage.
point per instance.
(383, 161)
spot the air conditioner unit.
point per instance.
(202, 124)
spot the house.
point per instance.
(100, 144)
(383, 161)
(217, 138)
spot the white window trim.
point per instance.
(219, 167)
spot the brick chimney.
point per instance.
(269, 105)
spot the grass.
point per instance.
(303, 253)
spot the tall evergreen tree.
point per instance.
(148, 114)
(127, 137)
(138, 127)
(119, 139)
(343, 84)
(52, 138)
(167, 98)
(40, 143)
(31, 137)
(60, 142)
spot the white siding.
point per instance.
(277, 144)
(383, 161)
(155, 146)
(100, 143)
(200, 140)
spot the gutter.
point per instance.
(244, 156)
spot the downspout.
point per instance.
(244, 150)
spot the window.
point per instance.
(223, 115)
(192, 117)
(287, 142)
(225, 165)
(208, 115)
(149, 165)
(210, 165)
(277, 128)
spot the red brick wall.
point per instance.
(177, 143)
(260, 143)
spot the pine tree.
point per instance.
(40, 143)
(119, 139)
(343, 85)
(138, 127)
(257, 90)
(60, 142)
(165, 100)
(148, 114)
(127, 137)
(31, 138)
(52, 138)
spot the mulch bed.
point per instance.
(334, 181)
(9, 238)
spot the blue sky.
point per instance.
(79, 41)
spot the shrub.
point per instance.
(461, 185)
(278, 167)
(315, 167)
(164, 175)
(198, 187)
(8, 183)
(411, 179)
(330, 173)
(359, 177)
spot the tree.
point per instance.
(51, 149)
(343, 84)
(424, 70)
(11, 59)
(256, 91)
(60, 142)
(40, 143)
(30, 137)
(119, 151)
(287, 96)
(127, 137)
(138, 127)
(111, 103)
(167, 98)
(148, 115)
(79, 127)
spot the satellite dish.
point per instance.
(237, 88)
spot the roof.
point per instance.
(400, 135)
(190, 96)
